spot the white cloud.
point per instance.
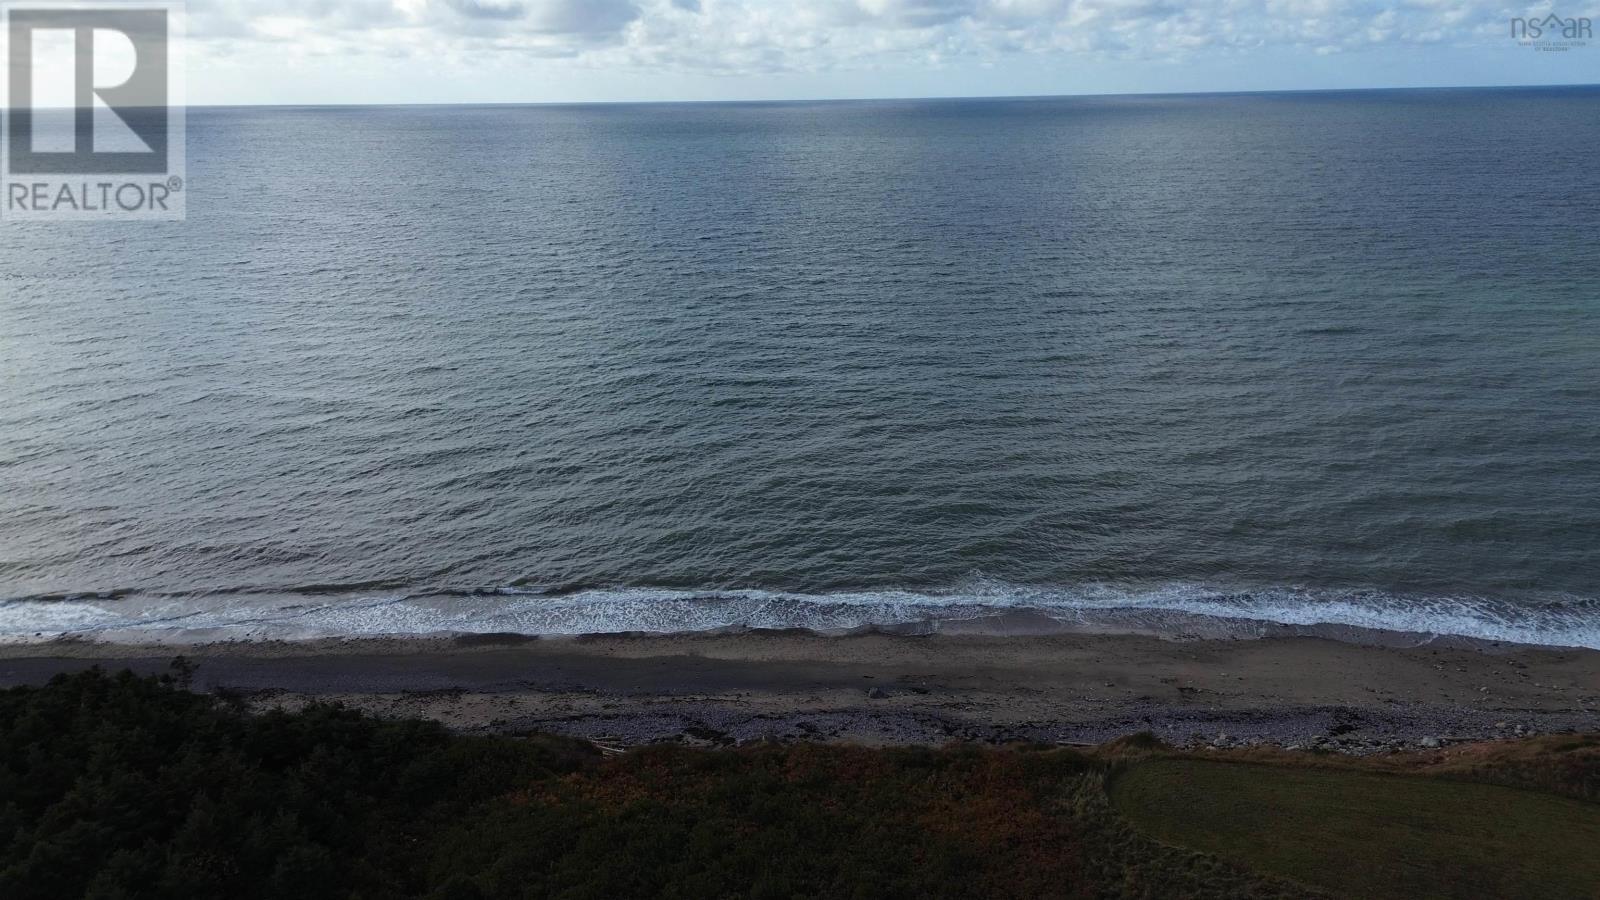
(761, 36)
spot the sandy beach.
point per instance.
(891, 689)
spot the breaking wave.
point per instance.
(1171, 610)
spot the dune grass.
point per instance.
(1361, 834)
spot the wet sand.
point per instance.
(895, 689)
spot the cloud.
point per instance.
(484, 9)
(750, 36)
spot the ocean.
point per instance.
(1198, 364)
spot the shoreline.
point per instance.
(884, 689)
(1177, 611)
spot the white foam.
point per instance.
(1568, 621)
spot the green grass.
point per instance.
(1372, 835)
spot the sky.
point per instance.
(464, 51)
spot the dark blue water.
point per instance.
(1324, 357)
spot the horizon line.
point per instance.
(883, 99)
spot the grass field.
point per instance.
(1373, 835)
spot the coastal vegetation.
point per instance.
(116, 786)
(1371, 835)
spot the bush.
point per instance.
(117, 786)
